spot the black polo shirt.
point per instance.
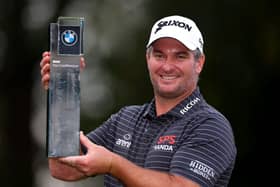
(192, 140)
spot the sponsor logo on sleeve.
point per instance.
(202, 169)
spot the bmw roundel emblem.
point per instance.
(69, 37)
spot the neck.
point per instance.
(164, 104)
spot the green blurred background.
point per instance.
(240, 77)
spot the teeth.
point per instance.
(168, 77)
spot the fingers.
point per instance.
(46, 53)
(72, 161)
(45, 58)
(45, 81)
(45, 69)
(82, 63)
(85, 141)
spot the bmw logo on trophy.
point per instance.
(69, 37)
(63, 106)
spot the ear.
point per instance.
(199, 64)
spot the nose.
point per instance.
(167, 66)
(169, 59)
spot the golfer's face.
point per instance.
(172, 68)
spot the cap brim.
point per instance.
(186, 43)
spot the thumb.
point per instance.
(85, 141)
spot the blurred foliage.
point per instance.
(240, 76)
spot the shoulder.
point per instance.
(211, 126)
(209, 119)
(129, 112)
(214, 119)
(133, 109)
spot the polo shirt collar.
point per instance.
(189, 104)
(180, 110)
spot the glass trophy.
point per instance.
(63, 105)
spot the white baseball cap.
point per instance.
(180, 28)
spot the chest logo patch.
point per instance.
(125, 141)
(165, 143)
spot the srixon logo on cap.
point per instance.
(175, 23)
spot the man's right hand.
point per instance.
(45, 68)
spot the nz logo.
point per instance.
(69, 37)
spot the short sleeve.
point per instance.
(206, 155)
(103, 135)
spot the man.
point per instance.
(175, 140)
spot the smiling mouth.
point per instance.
(168, 77)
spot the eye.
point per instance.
(158, 55)
(182, 56)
